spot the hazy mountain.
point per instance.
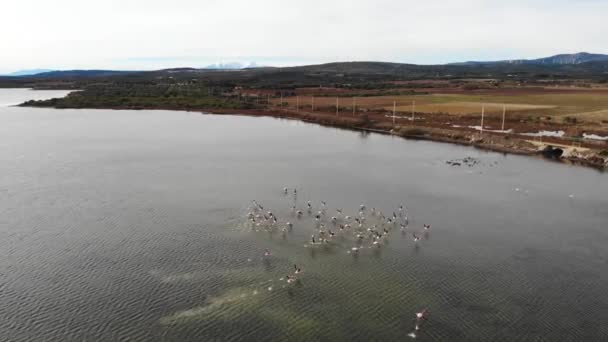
(231, 66)
(79, 73)
(562, 59)
(582, 65)
(577, 58)
(29, 72)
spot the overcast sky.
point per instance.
(149, 34)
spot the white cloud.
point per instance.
(134, 34)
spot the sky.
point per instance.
(154, 34)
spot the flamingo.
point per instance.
(420, 315)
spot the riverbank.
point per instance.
(492, 141)
(579, 154)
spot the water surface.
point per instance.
(13, 97)
(130, 225)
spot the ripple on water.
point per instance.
(132, 232)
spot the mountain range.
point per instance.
(579, 65)
(562, 59)
(231, 66)
(52, 72)
(29, 72)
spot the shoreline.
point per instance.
(488, 141)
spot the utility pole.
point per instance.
(504, 112)
(483, 109)
(413, 110)
(268, 99)
(337, 106)
(394, 111)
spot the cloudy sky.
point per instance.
(149, 34)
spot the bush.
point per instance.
(413, 132)
(364, 120)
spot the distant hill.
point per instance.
(231, 66)
(577, 58)
(80, 73)
(562, 59)
(356, 68)
(343, 74)
(29, 72)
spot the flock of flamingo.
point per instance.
(367, 229)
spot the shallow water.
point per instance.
(13, 97)
(131, 225)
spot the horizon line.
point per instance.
(256, 64)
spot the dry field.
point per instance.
(590, 108)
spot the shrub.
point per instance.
(364, 120)
(412, 132)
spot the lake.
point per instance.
(132, 225)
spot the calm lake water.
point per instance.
(131, 225)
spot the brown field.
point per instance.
(554, 105)
(452, 113)
(471, 107)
